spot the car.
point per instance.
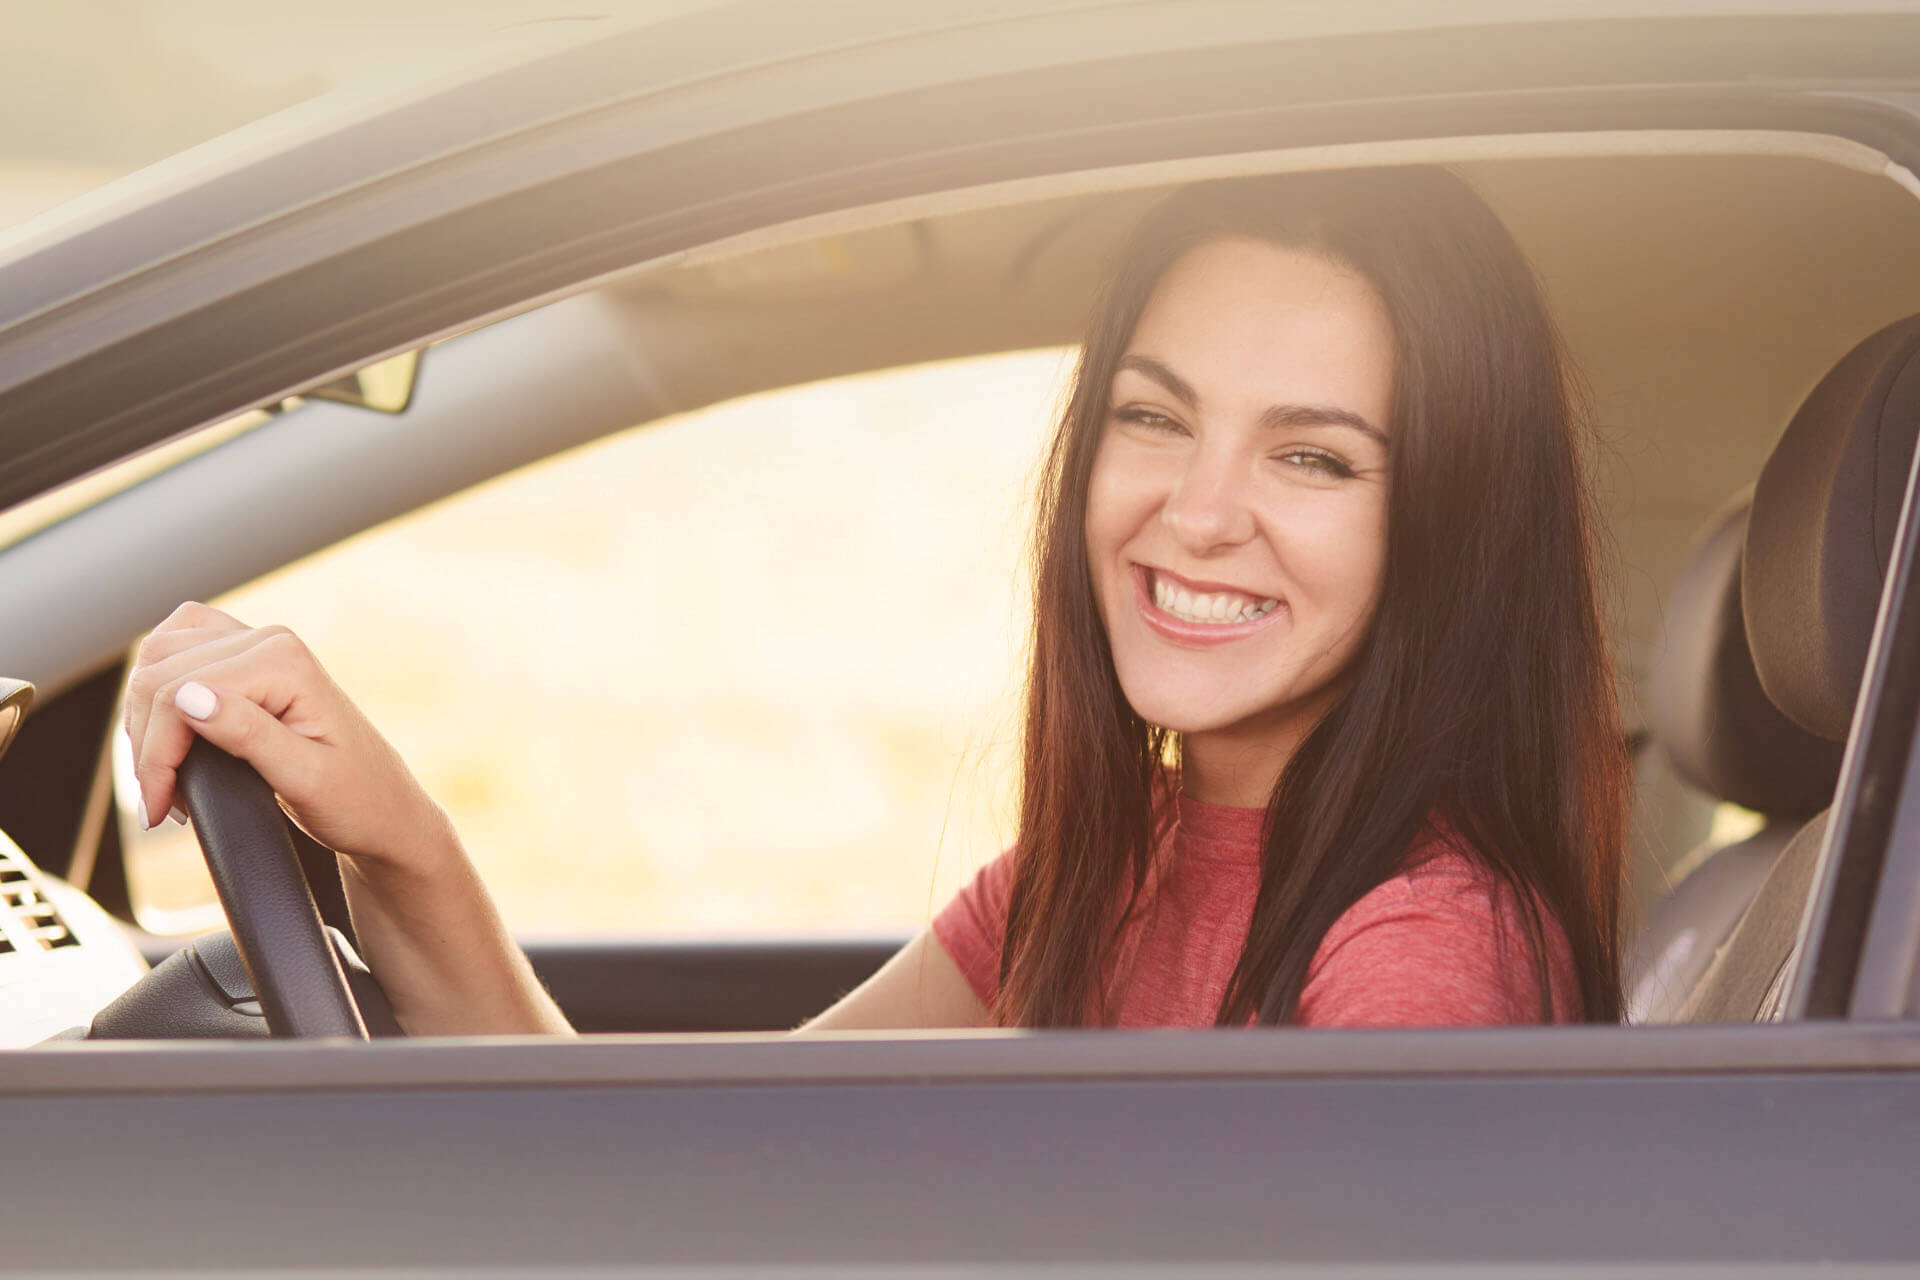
(1722, 204)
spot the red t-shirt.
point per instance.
(1440, 944)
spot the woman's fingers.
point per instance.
(262, 696)
(189, 625)
(191, 616)
(160, 645)
(182, 653)
(236, 703)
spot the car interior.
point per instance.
(1739, 310)
(1710, 718)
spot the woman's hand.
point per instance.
(424, 920)
(259, 694)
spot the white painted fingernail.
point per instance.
(196, 700)
(178, 814)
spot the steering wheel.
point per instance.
(297, 975)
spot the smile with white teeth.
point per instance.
(1221, 608)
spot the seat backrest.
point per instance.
(1684, 930)
(1818, 547)
(1708, 715)
(1744, 980)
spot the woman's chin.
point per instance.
(1228, 713)
(1191, 717)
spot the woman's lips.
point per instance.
(1192, 635)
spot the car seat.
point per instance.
(1708, 715)
(1818, 546)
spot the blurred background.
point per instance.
(657, 691)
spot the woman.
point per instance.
(1320, 724)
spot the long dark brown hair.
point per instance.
(1482, 698)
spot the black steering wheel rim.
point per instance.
(276, 926)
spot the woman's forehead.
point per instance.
(1245, 322)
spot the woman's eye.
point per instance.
(1313, 460)
(1151, 419)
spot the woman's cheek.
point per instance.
(1366, 566)
(1333, 544)
(1119, 496)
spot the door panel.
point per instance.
(614, 985)
(897, 1172)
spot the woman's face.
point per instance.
(1237, 514)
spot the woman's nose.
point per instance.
(1208, 507)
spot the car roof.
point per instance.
(469, 198)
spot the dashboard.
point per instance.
(61, 956)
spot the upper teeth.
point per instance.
(1221, 607)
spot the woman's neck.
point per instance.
(1238, 774)
(1240, 765)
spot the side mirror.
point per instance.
(15, 697)
(386, 387)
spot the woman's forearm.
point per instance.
(431, 934)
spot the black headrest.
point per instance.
(1821, 534)
(1705, 706)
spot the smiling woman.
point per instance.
(1321, 725)
(1318, 467)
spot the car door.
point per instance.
(1176, 1153)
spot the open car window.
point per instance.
(781, 542)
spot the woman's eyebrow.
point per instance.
(1319, 415)
(1179, 387)
(1279, 415)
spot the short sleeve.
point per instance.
(973, 926)
(1440, 947)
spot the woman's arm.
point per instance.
(429, 930)
(920, 987)
(426, 924)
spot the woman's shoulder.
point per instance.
(1443, 864)
(1446, 941)
(1440, 886)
